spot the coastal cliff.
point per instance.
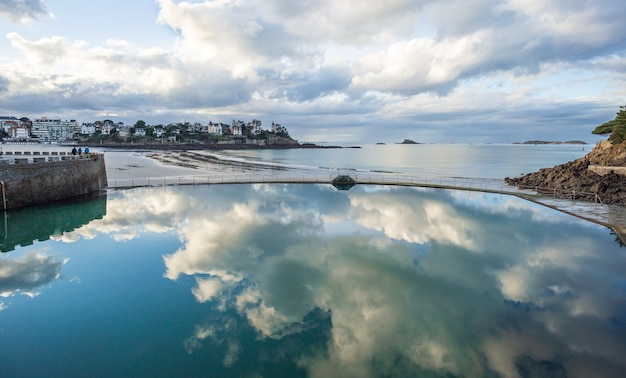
(600, 175)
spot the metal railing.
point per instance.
(474, 184)
(37, 157)
(563, 193)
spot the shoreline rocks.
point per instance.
(575, 180)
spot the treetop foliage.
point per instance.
(616, 127)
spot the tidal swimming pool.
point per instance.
(300, 280)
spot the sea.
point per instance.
(304, 280)
(487, 161)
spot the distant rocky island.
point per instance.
(408, 141)
(551, 142)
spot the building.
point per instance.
(255, 126)
(215, 128)
(19, 132)
(6, 122)
(88, 128)
(108, 127)
(236, 128)
(54, 130)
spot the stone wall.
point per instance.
(27, 183)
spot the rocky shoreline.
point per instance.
(208, 146)
(580, 179)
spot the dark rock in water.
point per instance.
(344, 182)
(408, 141)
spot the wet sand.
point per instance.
(125, 164)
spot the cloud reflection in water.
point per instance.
(413, 280)
(28, 273)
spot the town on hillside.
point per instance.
(46, 130)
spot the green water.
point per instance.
(302, 280)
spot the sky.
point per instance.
(475, 71)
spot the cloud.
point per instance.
(207, 289)
(348, 23)
(342, 71)
(4, 84)
(23, 10)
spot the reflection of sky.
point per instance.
(398, 280)
(27, 273)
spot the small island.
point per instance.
(551, 142)
(408, 141)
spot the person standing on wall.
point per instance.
(74, 151)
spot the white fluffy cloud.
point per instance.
(336, 63)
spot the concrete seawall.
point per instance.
(26, 182)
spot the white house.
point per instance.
(215, 128)
(236, 127)
(87, 128)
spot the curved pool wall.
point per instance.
(34, 179)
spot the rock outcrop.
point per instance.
(578, 179)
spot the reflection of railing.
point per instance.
(489, 185)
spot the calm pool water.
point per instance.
(301, 280)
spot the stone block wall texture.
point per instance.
(42, 182)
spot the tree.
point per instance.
(140, 124)
(615, 127)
